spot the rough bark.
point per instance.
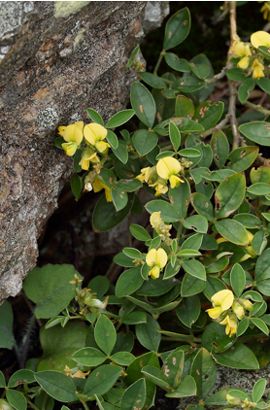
(57, 59)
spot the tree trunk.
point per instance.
(57, 59)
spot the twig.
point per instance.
(217, 76)
(232, 88)
(217, 127)
(257, 108)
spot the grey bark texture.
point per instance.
(56, 60)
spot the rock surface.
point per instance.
(56, 60)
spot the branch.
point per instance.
(257, 108)
(215, 128)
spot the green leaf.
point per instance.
(58, 142)
(175, 136)
(76, 186)
(191, 285)
(215, 340)
(220, 147)
(168, 212)
(148, 335)
(243, 90)
(126, 171)
(180, 198)
(113, 218)
(200, 70)
(213, 285)
(199, 96)
(134, 396)
(155, 376)
(236, 74)
(76, 159)
(196, 222)
(99, 285)
(139, 232)
(189, 310)
(259, 188)
(262, 268)
(261, 174)
(178, 64)
(16, 399)
(49, 287)
(20, 377)
(153, 80)
(242, 158)
(119, 197)
(101, 380)
(143, 104)
(135, 318)
(173, 368)
(242, 327)
(95, 116)
(128, 282)
(112, 139)
(238, 356)
(203, 370)
(188, 84)
(184, 107)
(186, 388)
(177, 29)
(6, 326)
(195, 268)
(208, 114)
(171, 271)
(105, 334)
(120, 118)
(248, 220)
(233, 231)
(2, 379)
(264, 84)
(89, 356)
(258, 389)
(133, 253)
(144, 141)
(259, 242)
(206, 155)
(230, 195)
(259, 323)
(123, 358)
(257, 131)
(57, 385)
(190, 152)
(238, 279)
(134, 370)
(120, 152)
(203, 206)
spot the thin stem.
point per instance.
(84, 405)
(31, 404)
(161, 55)
(232, 88)
(218, 76)
(257, 108)
(215, 128)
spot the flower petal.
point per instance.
(154, 273)
(260, 38)
(99, 132)
(70, 148)
(161, 258)
(151, 257)
(214, 313)
(168, 166)
(224, 298)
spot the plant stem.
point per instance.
(215, 128)
(217, 76)
(159, 61)
(257, 108)
(84, 405)
(31, 404)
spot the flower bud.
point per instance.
(238, 310)
(233, 400)
(246, 304)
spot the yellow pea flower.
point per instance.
(257, 69)
(238, 310)
(240, 49)
(266, 10)
(222, 301)
(246, 304)
(99, 185)
(231, 324)
(88, 155)
(144, 175)
(94, 134)
(244, 63)
(168, 168)
(156, 258)
(260, 38)
(73, 135)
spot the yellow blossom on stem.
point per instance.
(144, 175)
(160, 186)
(222, 301)
(157, 259)
(246, 304)
(260, 38)
(266, 10)
(99, 185)
(231, 324)
(168, 168)
(88, 155)
(94, 134)
(244, 63)
(240, 49)
(238, 310)
(73, 135)
(257, 69)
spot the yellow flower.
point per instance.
(99, 185)
(257, 69)
(168, 168)
(156, 259)
(222, 301)
(94, 134)
(231, 325)
(73, 135)
(260, 38)
(240, 49)
(246, 304)
(88, 155)
(266, 10)
(233, 400)
(244, 63)
(144, 175)
(160, 186)
(238, 310)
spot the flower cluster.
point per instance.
(160, 227)
(226, 310)
(251, 60)
(167, 169)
